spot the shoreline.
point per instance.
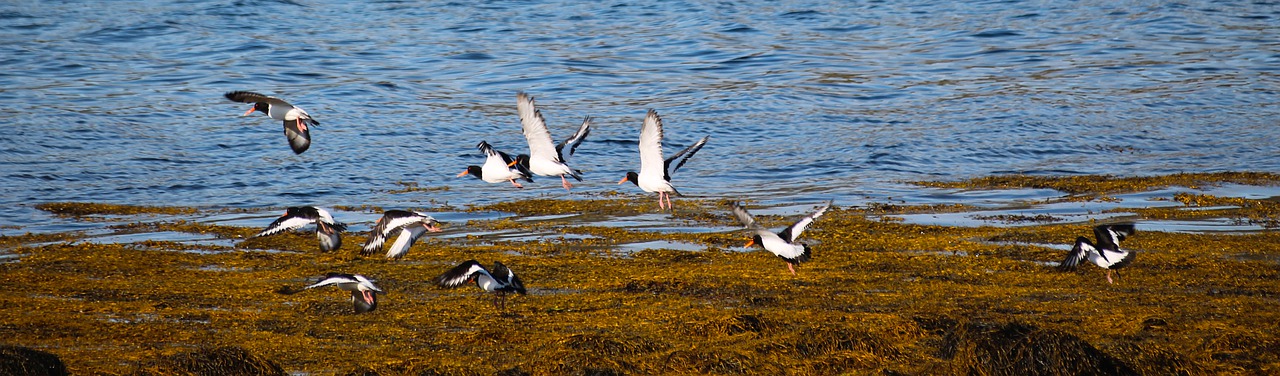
(882, 294)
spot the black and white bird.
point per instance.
(328, 230)
(655, 172)
(783, 244)
(364, 294)
(297, 123)
(1106, 254)
(546, 158)
(411, 226)
(498, 167)
(500, 280)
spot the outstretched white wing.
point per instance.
(651, 162)
(535, 129)
(793, 232)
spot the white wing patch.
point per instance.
(407, 236)
(535, 129)
(652, 166)
(798, 228)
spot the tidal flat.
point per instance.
(618, 287)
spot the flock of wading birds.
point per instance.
(546, 158)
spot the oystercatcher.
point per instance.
(297, 123)
(655, 172)
(545, 158)
(327, 229)
(500, 280)
(364, 294)
(1106, 254)
(411, 225)
(783, 244)
(498, 166)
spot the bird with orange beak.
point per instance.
(783, 244)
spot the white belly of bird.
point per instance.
(495, 172)
(547, 168)
(1112, 258)
(781, 247)
(284, 113)
(654, 184)
(486, 283)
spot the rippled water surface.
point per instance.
(804, 100)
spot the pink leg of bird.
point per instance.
(660, 203)
(565, 182)
(1109, 277)
(669, 206)
(517, 185)
(792, 268)
(302, 127)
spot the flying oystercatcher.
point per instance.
(655, 172)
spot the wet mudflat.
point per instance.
(617, 287)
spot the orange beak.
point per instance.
(464, 173)
(624, 180)
(750, 243)
(246, 113)
(513, 163)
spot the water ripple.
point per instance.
(123, 104)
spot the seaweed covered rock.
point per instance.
(218, 361)
(1021, 349)
(17, 360)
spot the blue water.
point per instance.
(804, 100)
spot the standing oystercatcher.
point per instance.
(500, 280)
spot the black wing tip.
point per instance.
(239, 95)
(1125, 261)
(804, 257)
(339, 226)
(1072, 261)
